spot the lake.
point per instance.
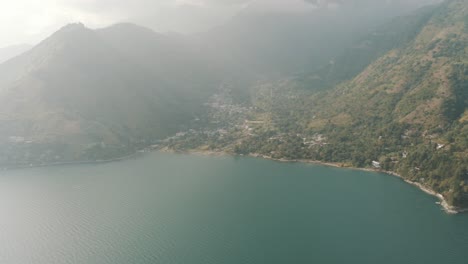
(174, 208)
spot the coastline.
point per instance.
(443, 202)
(77, 162)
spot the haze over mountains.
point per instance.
(85, 94)
(398, 97)
(81, 84)
(9, 52)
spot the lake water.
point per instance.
(169, 208)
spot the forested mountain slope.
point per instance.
(396, 100)
(408, 109)
(87, 94)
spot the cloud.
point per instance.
(28, 21)
(367, 3)
(279, 6)
(31, 20)
(162, 15)
(224, 2)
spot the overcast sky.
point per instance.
(29, 21)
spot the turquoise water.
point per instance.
(169, 208)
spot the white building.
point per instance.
(376, 164)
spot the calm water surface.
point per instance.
(168, 208)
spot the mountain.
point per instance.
(82, 89)
(406, 110)
(85, 94)
(9, 52)
(416, 83)
(398, 32)
(284, 40)
(357, 91)
(172, 58)
(396, 99)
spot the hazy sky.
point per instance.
(29, 21)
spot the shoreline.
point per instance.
(77, 162)
(443, 202)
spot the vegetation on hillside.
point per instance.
(402, 109)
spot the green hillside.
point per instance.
(406, 110)
(396, 100)
(413, 100)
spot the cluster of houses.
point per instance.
(317, 139)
